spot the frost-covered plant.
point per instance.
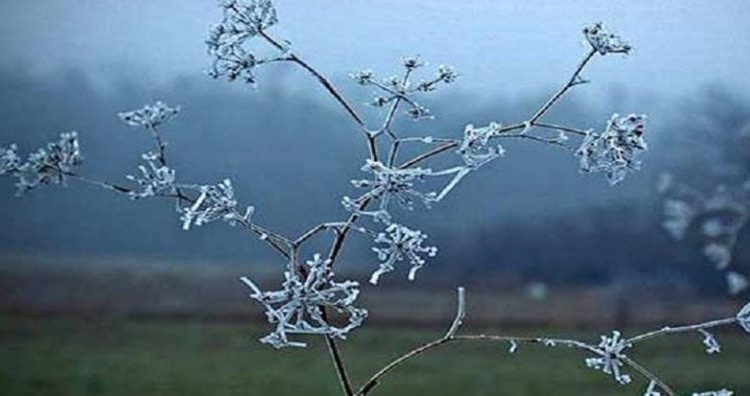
(309, 296)
(615, 151)
(53, 164)
(300, 307)
(611, 352)
(714, 221)
(604, 41)
(399, 243)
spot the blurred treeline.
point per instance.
(528, 217)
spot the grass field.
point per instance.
(54, 356)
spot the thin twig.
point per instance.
(570, 83)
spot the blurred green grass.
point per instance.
(63, 356)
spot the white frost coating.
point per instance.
(743, 317)
(298, 308)
(150, 116)
(400, 243)
(475, 149)
(9, 159)
(155, 179)
(51, 165)
(397, 89)
(615, 151)
(604, 41)
(710, 342)
(390, 183)
(610, 351)
(214, 202)
(243, 20)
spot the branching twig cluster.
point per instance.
(309, 296)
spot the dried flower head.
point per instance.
(150, 116)
(610, 352)
(475, 149)
(391, 183)
(615, 151)
(299, 307)
(242, 21)
(50, 165)
(604, 41)
(155, 179)
(214, 202)
(400, 243)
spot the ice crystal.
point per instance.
(9, 159)
(604, 41)
(242, 20)
(214, 202)
(50, 165)
(400, 243)
(610, 351)
(390, 183)
(299, 307)
(475, 149)
(615, 150)
(155, 179)
(710, 342)
(743, 317)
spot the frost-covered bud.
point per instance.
(743, 317)
(710, 342)
(234, 63)
(155, 179)
(604, 41)
(609, 361)
(394, 83)
(242, 20)
(475, 149)
(150, 116)
(736, 283)
(50, 165)
(412, 62)
(9, 159)
(362, 77)
(298, 307)
(722, 392)
(419, 113)
(447, 74)
(214, 203)
(392, 183)
(379, 101)
(400, 243)
(615, 151)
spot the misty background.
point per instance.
(528, 217)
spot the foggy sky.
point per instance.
(501, 47)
